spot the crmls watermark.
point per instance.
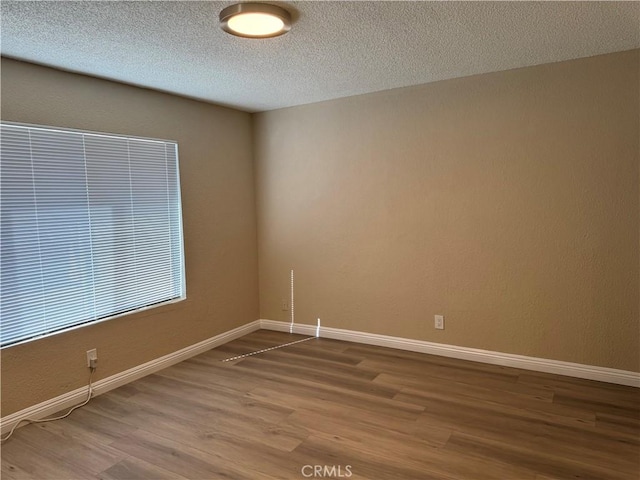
(326, 471)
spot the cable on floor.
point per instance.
(266, 349)
(43, 420)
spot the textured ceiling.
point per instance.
(335, 49)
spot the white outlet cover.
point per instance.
(439, 322)
(91, 355)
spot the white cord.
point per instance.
(266, 349)
(89, 395)
(293, 316)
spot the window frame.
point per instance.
(180, 232)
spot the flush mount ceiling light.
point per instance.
(255, 20)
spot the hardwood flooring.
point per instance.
(329, 409)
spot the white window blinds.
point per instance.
(90, 228)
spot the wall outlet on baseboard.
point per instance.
(439, 322)
(284, 304)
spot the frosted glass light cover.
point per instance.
(255, 24)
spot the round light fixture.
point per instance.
(255, 20)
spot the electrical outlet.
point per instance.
(284, 304)
(439, 322)
(92, 357)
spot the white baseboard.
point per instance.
(67, 400)
(602, 374)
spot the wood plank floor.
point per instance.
(343, 409)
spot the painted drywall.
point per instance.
(507, 202)
(218, 205)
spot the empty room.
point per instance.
(320, 239)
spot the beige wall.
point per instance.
(219, 226)
(508, 202)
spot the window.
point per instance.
(90, 228)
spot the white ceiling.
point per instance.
(335, 49)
